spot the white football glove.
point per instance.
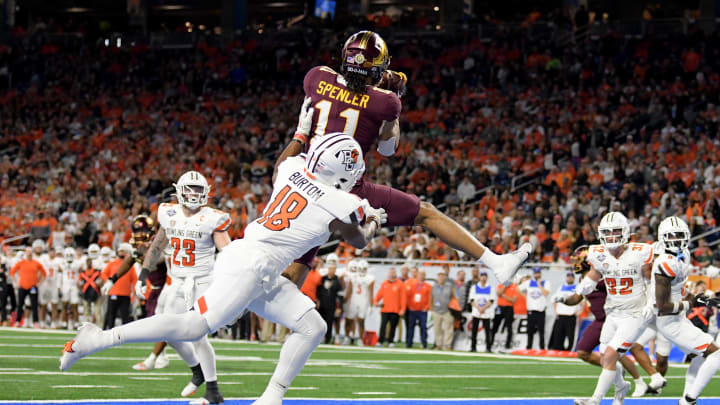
(712, 271)
(305, 118)
(376, 214)
(140, 289)
(106, 287)
(648, 313)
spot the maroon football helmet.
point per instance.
(366, 54)
(142, 228)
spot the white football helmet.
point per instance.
(69, 254)
(614, 230)
(125, 247)
(354, 266)
(331, 259)
(106, 253)
(192, 190)
(38, 246)
(674, 233)
(363, 267)
(93, 251)
(336, 160)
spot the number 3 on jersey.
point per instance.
(351, 116)
(188, 258)
(290, 208)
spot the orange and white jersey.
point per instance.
(70, 274)
(298, 216)
(626, 286)
(675, 268)
(191, 246)
(361, 287)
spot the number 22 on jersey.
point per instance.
(351, 116)
(290, 207)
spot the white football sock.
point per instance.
(206, 354)
(695, 364)
(305, 336)
(606, 379)
(705, 373)
(150, 361)
(491, 259)
(619, 380)
(639, 380)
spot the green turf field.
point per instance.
(29, 368)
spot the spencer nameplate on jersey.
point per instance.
(306, 186)
(326, 89)
(184, 233)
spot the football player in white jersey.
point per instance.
(310, 200)
(189, 233)
(349, 279)
(69, 290)
(670, 273)
(45, 286)
(624, 267)
(361, 296)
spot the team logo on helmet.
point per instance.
(359, 58)
(349, 158)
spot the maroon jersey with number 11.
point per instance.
(339, 110)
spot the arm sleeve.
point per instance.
(223, 222)
(661, 266)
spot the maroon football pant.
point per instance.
(590, 337)
(402, 208)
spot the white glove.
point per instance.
(305, 118)
(106, 287)
(376, 214)
(140, 289)
(712, 271)
(648, 313)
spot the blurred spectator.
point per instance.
(393, 296)
(4, 293)
(90, 293)
(419, 295)
(535, 292)
(700, 314)
(482, 298)
(29, 274)
(312, 283)
(329, 300)
(442, 293)
(465, 292)
(566, 320)
(118, 303)
(507, 296)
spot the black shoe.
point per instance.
(212, 393)
(473, 350)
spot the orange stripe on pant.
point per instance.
(202, 305)
(703, 347)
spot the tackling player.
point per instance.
(670, 271)
(624, 267)
(354, 102)
(310, 200)
(590, 338)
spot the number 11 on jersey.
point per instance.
(351, 116)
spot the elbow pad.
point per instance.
(387, 147)
(587, 285)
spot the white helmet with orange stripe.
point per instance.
(674, 234)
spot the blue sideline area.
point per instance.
(517, 401)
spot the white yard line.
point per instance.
(389, 400)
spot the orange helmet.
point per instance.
(365, 53)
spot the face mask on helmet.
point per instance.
(69, 255)
(93, 251)
(675, 240)
(192, 190)
(365, 56)
(142, 230)
(674, 234)
(614, 230)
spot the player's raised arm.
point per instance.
(302, 135)
(155, 252)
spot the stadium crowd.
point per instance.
(518, 137)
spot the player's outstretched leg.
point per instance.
(504, 266)
(705, 373)
(90, 339)
(307, 333)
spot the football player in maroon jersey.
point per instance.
(363, 100)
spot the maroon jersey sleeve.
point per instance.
(339, 110)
